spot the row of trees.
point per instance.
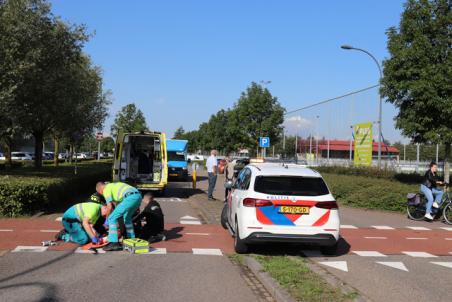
(48, 85)
(256, 113)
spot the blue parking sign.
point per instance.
(264, 142)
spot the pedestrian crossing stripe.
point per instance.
(30, 249)
(369, 254)
(419, 254)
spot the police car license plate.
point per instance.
(293, 210)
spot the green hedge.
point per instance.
(23, 191)
(412, 178)
(369, 193)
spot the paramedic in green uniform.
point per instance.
(127, 200)
(78, 222)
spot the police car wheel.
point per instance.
(240, 246)
(329, 250)
(224, 216)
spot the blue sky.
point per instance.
(181, 61)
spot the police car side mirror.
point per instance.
(228, 184)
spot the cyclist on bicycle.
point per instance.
(430, 191)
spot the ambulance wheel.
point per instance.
(240, 246)
(224, 217)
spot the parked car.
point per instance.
(239, 165)
(47, 155)
(80, 156)
(21, 156)
(272, 202)
(2, 156)
(194, 157)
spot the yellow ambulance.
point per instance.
(141, 160)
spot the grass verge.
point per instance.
(302, 283)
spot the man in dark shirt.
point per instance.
(429, 189)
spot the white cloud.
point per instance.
(297, 124)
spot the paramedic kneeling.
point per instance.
(127, 200)
(78, 222)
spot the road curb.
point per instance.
(280, 294)
(333, 280)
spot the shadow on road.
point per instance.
(49, 290)
(174, 233)
(291, 249)
(50, 262)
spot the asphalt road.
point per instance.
(192, 265)
(64, 276)
(383, 255)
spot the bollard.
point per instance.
(194, 178)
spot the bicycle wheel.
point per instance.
(415, 212)
(447, 213)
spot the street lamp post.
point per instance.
(348, 47)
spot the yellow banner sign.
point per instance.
(363, 144)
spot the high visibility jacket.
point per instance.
(115, 191)
(88, 209)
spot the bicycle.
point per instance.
(416, 207)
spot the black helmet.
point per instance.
(97, 198)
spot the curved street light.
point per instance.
(348, 47)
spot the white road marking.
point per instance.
(172, 199)
(397, 265)
(79, 250)
(197, 222)
(347, 226)
(188, 218)
(445, 264)
(197, 234)
(156, 251)
(448, 238)
(49, 231)
(33, 249)
(6, 230)
(418, 228)
(376, 237)
(447, 229)
(216, 252)
(59, 219)
(416, 238)
(340, 265)
(419, 254)
(369, 254)
(382, 227)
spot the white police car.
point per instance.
(272, 202)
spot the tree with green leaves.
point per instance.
(179, 133)
(418, 73)
(45, 73)
(129, 119)
(257, 113)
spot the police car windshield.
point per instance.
(290, 185)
